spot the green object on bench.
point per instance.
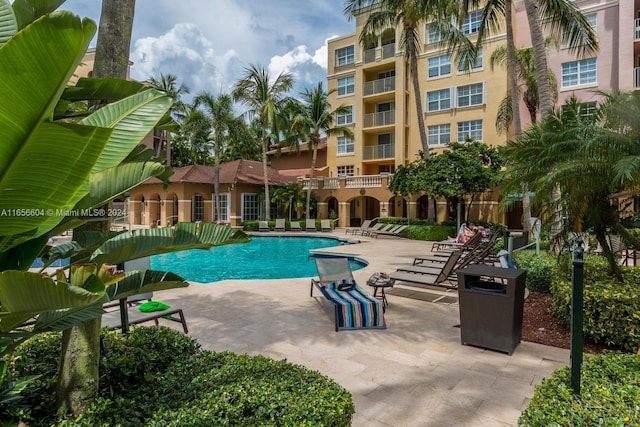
(151, 306)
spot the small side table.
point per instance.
(380, 281)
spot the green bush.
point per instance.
(431, 233)
(539, 269)
(611, 308)
(159, 377)
(610, 392)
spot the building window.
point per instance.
(345, 170)
(250, 207)
(592, 19)
(345, 145)
(345, 56)
(439, 134)
(440, 66)
(223, 201)
(432, 35)
(472, 22)
(346, 86)
(439, 100)
(470, 130)
(471, 95)
(198, 208)
(476, 66)
(345, 118)
(578, 73)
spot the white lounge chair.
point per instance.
(280, 224)
(325, 225)
(310, 225)
(263, 226)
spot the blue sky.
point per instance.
(208, 43)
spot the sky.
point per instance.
(207, 44)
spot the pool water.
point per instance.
(265, 257)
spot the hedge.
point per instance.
(160, 377)
(539, 268)
(609, 395)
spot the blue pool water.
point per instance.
(265, 257)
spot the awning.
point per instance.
(517, 197)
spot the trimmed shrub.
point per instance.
(432, 233)
(160, 377)
(611, 308)
(609, 395)
(539, 269)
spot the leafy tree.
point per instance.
(585, 158)
(244, 142)
(264, 98)
(168, 83)
(289, 197)
(410, 16)
(315, 120)
(194, 131)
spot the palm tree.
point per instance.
(222, 120)
(195, 128)
(317, 120)
(410, 16)
(168, 83)
(264, 98)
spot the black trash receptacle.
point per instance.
(491, 311)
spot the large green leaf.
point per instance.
(28, 11)
(152, 241)
(132, 119)
(8, 24)
(34, 67)
(105, 185)
(59, 320)
(93, 89)
(140, 282)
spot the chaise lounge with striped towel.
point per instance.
(354, 308)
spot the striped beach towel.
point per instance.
(355, 308)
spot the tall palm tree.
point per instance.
(195, 128)
(315, 121)
(264, 98)
(410, 16)
(168, 83)
(222, 118)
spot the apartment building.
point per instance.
(374, 81)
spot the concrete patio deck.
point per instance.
(414, 373)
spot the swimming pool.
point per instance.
(265, 257)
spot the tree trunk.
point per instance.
(267, 202)
(79, 361)
(216, 184)
(79, 364)
(314, 157)
(512, 64)
(413, 63)
(540, 57)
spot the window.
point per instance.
(345, 145)
(439, 134)
(476, 66)
(250, 207)
(472, 22)
(345, 118)
(588, 109)
(223, 201)
(432, 35)
(345, 170)
(470, 130)
(471, 95)
(579, 72)
(198, 208)
(440, 66)
(439, 100)
(592, 19)
(346, 86)
(345, 56)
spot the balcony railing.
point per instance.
(636, 78)
(342, 182)
(388, 51)
(370, 55)
(637, 37)
(376, 152)
(383, 118)
(379, 86)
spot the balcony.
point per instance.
(379, 86)
(383, 118)
(378, 152)
(370, 55)
(387, 51)
(344, 182)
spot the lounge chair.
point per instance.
(263, 226)
(452, 245)
(295, 226)
(363, 228)
(310, 225)
(354, 308)
(325, 225)
(434, 277)
(393, 232)
(374, 228)
(280, 225)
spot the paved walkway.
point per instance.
(414, 373)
